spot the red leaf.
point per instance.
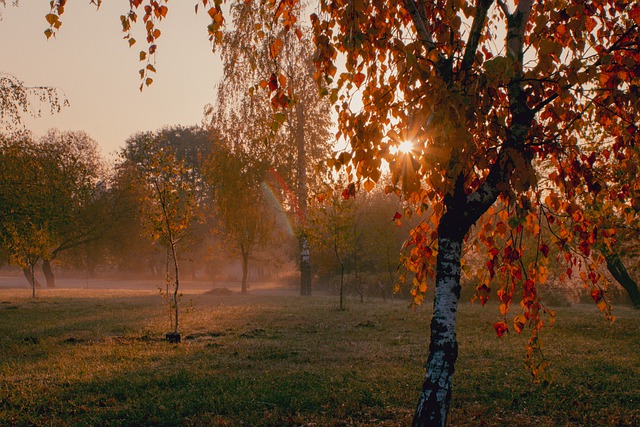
(597, 295)
(635, 14)
(500, 328)
(585, 248)
(544, 249)
(349, 192)
(273, 82)
(482, 293)
(397, 216)
(529, 289)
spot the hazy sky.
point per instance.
(91, 63)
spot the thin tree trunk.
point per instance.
(48, 273)
(359, 286)
(32, 272)
(245, 270)
(620, 273)
(31, 279)
(305, 267)
(176, 289)
(303, 193)
(341, 286)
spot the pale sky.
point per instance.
(97, 71)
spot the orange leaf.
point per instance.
(275, 47)
(51, 18)
(369, 185)
(519, 322)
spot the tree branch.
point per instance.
(504, 7)
(420, 22)
(482, 8)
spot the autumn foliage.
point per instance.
(524, 119)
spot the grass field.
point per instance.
(97, 357)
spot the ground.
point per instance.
(96, 356)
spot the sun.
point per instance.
(405, 147)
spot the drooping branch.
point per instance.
(615, 46)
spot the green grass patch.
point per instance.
(75, 357)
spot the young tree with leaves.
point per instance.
(486, 91)
(168, 205)
(332, 227)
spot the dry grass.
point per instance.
(96, 357)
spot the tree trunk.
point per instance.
(359, 286)
(48, 273)
(620, 273)
(305, 267)
(462, 211)
(32, 272)
(176, 290)
(341, 286)
(31, 278)
(433, 404)
(245, 270)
